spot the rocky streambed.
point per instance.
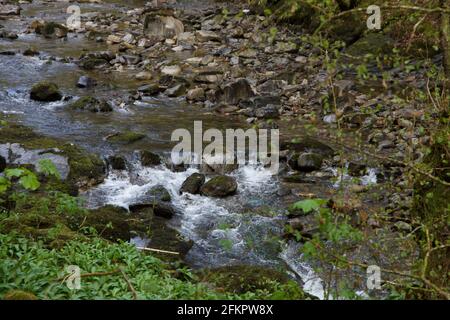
(135, 72)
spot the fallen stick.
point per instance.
(157, 250)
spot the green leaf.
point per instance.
(14, 172)
(4, 184)
(308, 205)
(47, 167)
(30, 181)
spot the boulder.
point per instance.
(45, 91)
(193, 183)
(91, 104)
(150, 89)
(220, 186)
(158, 193)
(176, 91)
(306, 162)
(117, 162)
(306, 144)
(150, 159)
(109, 221)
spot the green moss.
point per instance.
(242, 279)
(45, 91)
(86, 169)
(90, 63)
(126, 137)
(91, 104)
(19, 295)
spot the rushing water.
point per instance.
(242, 229)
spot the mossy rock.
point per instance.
(19, 295)
(91, 104)
(91, 63)
(50, 29)
(126, 137)
(150, 159)
(220, 186)
(159, 193)
(193, 183)
(307, 144)
(86, 169)
(110, 222)
(45, 91)
(117, 162)
(245, 278)
(373, 43)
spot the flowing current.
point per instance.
(224, 231)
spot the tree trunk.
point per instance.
(445, 39)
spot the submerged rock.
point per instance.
(193, 183)
(45, 91)
(91, 104)
(220, 186)
(159, 193)
(125, 137)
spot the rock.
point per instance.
(296, 224)
(125, 137)
(49, 29)
(31, 51)
(8, 35)
(196, 94)
(45, 91)
(109, 221)
(91, 104)
(163, 210)
(2, 164)
(113, 39)
(158, 193)
(176, 91)
(9, 10)
(306, 162)
(205, 36)
(285, 47)
(144, 75)
(193, 183)
(220, 186)
(235, 92)
(151, 89)
(403, 226)
(150, 159)
(306, 144)
(163, 26)
(19, 295)
(117, 162)
(356, 169)
(248, 53)
(90, 63)
(171, 70)
(268, 112)
(86, 82)
(373, 43)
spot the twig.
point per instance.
(157, 250)
(413, 33)
(130, 286)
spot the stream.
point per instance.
(225, 231)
